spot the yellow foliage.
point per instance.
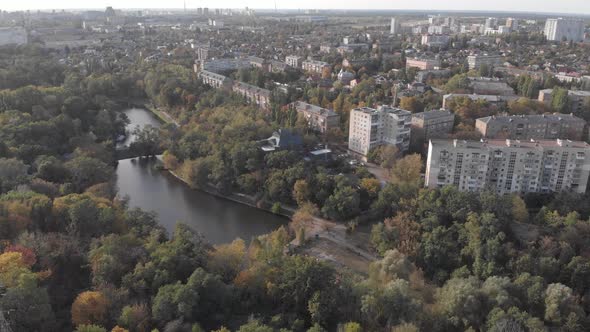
(89, 308)
(119, 329)
(12, 268)
(227, 259)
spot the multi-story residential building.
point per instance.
(223, 65)
(509, 166)
(559, 29)
(424, 75)
(524, 127)
(438, 29)
(512, 23)
(435, 40)
(314, 66)
(492, 99)
(489, 86)
(432, 124)
(578, 100)
(294, 61)
(318, 118)
(477, 60)
(13, 35)
(423, 64)
(253, 94)
(215, 80)
(491, 23)
(371, 127)
(395, 27)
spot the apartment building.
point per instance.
(435, 40)
(423, 64)
(488, 86)
(432, 124)
(509, 166)
(477, 60)
(314, 66)
(385, 125)
(525, 127)
(492, 99)
(559, 29)
(578, 100)
(253, 94)
(13, 35)
(215, 80)
(394, 28)
(318, 118)
(294, 61)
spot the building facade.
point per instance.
(314, 66)
(423, 64)
(215, 80)
(560, 29)
(13, 35)
(370, 128)
(319, 119)
(253, 94)
(477, 60)
(509, 166)
(578, 100)
(435, 40)
(432, 124)
(394, 29)
(293, 61)
(525, 127)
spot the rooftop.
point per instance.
(536, 118)
(503, 143)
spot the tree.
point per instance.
(352, 327)
(90, 328)
(560, 100)
(462, 302)
(135, 317)
(87, 171)
(411, 104)
(301, 192)
(226, 260)
(458, 84)
(520, 212)
(407, 169)
(147, 142)
(12, 173)
(89, 307)
(343, 204)
(560, 303)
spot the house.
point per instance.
(282, 139)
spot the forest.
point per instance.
(75, 257)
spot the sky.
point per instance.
(549, 6)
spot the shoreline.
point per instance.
(234, 197)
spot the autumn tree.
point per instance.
(407, 169)
(89, 307)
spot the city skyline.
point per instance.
(572, 7)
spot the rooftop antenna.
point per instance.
(185, 6)
(275, 6)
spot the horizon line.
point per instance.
(535, 12)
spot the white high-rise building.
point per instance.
(394, 26)
(512, 23)
(509, 166)
(491, 23)
(371, 127)
(559, 29)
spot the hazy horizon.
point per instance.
(564, 7)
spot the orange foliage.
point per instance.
(89, 308)
(28, 255)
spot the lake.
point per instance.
(218, 219)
